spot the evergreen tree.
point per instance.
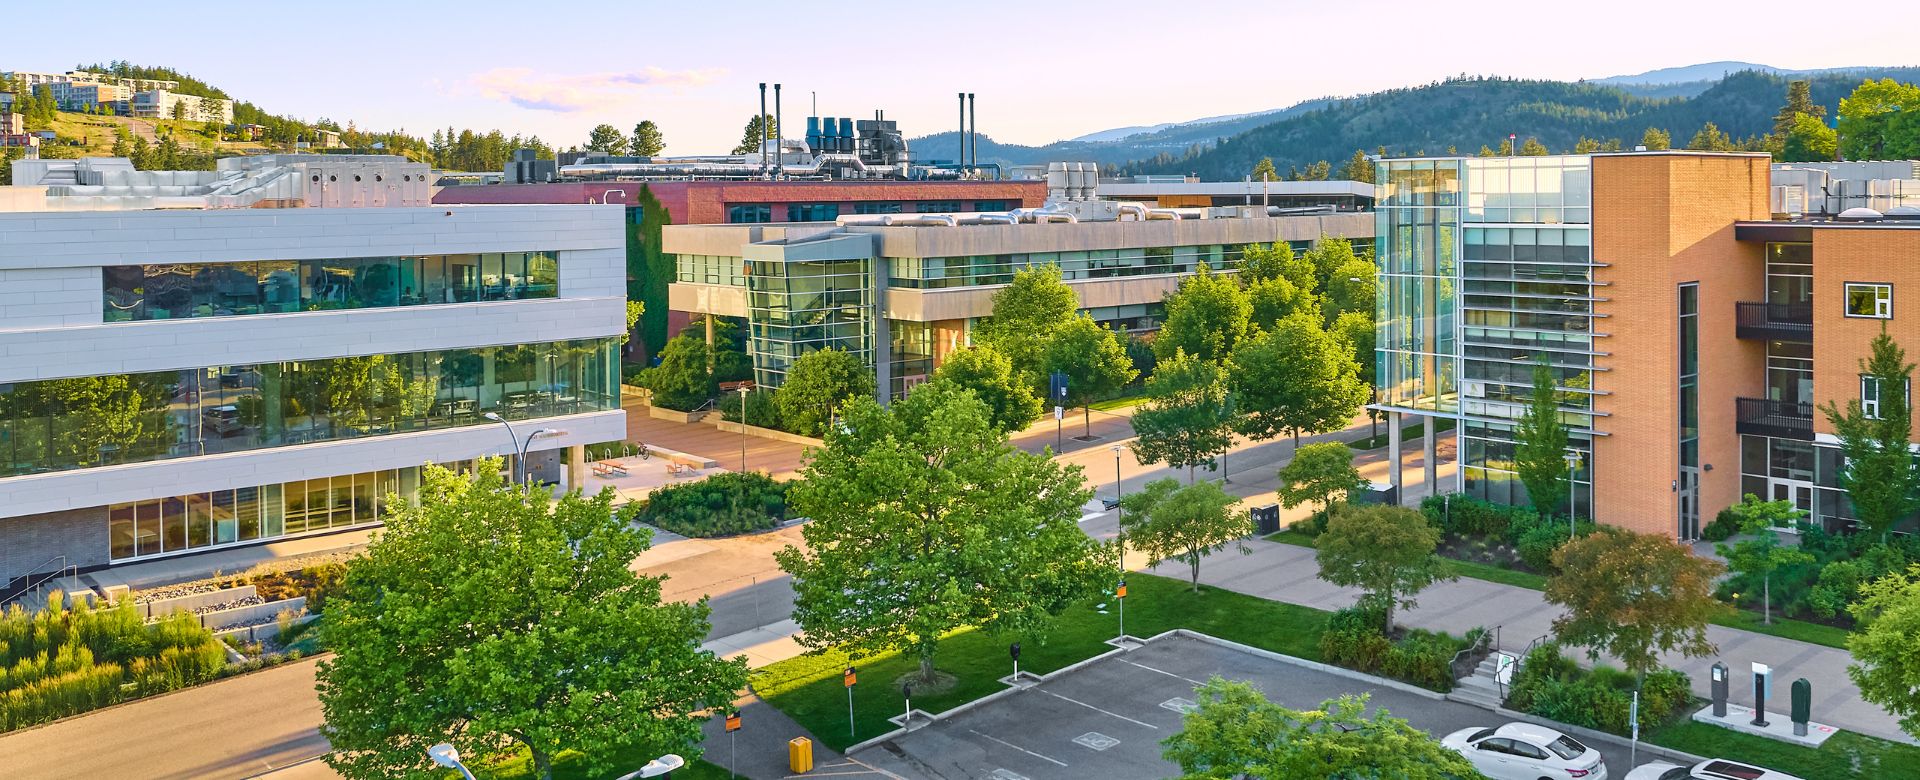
(647, 139)
(758, 129)
(607, 138)
(1710, 139)
(1586, 146)
(1358, 168)
(1880, 475)
(1656, 140)
(1799, 101)
(1263, 171)
(1540, 446)
(1533, 148)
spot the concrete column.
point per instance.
(577, 467)
(1429, 441)
(709, 320)
(1395, 475)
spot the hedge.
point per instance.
(1552, 686)
(1355, 638)
(721, 505)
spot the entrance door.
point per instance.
(1689, 489)
(1797, 491)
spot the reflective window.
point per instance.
(62, 424)
(813, 212)
(1870, 300)
(190, 290)
(749, 214)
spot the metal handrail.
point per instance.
(64, 570)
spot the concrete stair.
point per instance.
(1480, 688)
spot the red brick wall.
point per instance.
(706, 202)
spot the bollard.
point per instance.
(1762, 674)
(1721, 677)
(800, 755)
(1802, 706)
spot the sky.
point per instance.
(1041, 71)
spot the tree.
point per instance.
(1884, 663)
(1880, 475)
(1170, 522)
(1809, 139)
(1207, 315)
(1352, 289)
(1710, 139)
(1011, 403)
(1272, 300)
(634, 311)
(1656, 139)
(759, 128)
(1585, 145)
(491, 615)
(1093, 360)
(1880, 121)
(1506, 148)
(1187, 419)
(1358, 331)
(1385, 551)
(607, 138)
(1295, 378)
(1263, 171)
(817, 385)
(180, 110)
(1540, 446)
(1633, 596)
(1760, 554)
(1236, 732)
(1259, 262)
(647, 139)
(1799, 101)
(925, 521)
(1026, 313)
(1533, 148)
(1327, 256)
(1358, 168)
(1320, 474)
(681, 380)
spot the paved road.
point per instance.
(1105, 721)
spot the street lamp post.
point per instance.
(743, 429)
(1573, 499)
(659, 767)
(445, 755)
(521, 473)
(1120, 531)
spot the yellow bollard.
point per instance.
(799, 755)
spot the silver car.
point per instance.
(1710, 769)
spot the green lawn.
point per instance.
(569, 767)
(1492, 573)
(1119, 403)
(1845, 755)
(809, 689)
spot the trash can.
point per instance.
(1266, 519)
(799, 755)
(1376, 493)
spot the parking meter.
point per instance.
(1802, 706)
(1762, 674)
(1720, 676)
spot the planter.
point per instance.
(767, 433)
(159, 608)
(675, 415)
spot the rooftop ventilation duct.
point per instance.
(1859, 214)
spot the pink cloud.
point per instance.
(567, 93)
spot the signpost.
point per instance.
(1057, 390)
(1120, 594)
(1633, 719)
(906, 716)
(733, 725)
(849, 678)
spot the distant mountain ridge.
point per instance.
(1465, 113)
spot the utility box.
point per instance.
(1266, 519)
(1376, 493)
(799, 755)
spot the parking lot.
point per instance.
(1105, 721)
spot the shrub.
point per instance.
(1552, 686)
(763, 409)
(1724, 526)
(720, 505)
(1463, 515)
(1354, 639)
(68, 660)
(1537, 537)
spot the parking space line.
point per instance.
(1019, 748)
(1097, 709)
(1162, 671)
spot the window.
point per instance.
(1527, 750)
(196, 290)
(991, 205)
(1871, 398)
(813, 212)
(937, 206)
(1500, 745)
(877, 207)
(1870, 300)
(749, 214)
(1566, 747)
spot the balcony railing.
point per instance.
(1775, 321)
(1779, 419)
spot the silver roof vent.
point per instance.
(1859, 214)
(1904, 213)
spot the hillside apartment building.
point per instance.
(200, 360)
(1695, 308)
(81, 90)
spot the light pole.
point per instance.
(659, 767)
(1120, 531)
(743, 429)
(1573, 498)
(521, 473)
(446, 756)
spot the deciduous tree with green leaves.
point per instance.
(1026, 313)
(607, 138)
(494, 617)
(1320, 474)
(1236, 732)
(1294, 378)
(1278, 260)
(1263, 170)
(1352, 288)
(1633, 596)
(1171, 522)
(1809, 139)
(1206, 316)
(1272, 300)
(647, 139)
(681, 380)
(1880, 121)
(1540, 446)
(1011, 403)
(1328, 256)
(1187, 419)
(925, 521)
(1385, 551)
(1880, 474)
(1760, 553)
(1094, 361)
(1884, 662)
(817, 384)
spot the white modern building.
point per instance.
(192, 361)
(164, 104)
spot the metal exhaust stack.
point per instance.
(776, 131)
(973, 133)
(962, 137)
(763, 125)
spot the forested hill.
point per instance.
(1467, 113)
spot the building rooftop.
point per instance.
(266, 181)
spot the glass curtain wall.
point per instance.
(1418, 225)
(191, 290)
(62, 424)
(967, 271)
(798, 306)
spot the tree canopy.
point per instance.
(1385, 551)
(681, 380)
(1880, 474)
(759, 128)
(1235, 732)
(1633, 596)
(1294, 378)
(1092, 358)
(1011, 402)
(1884, 663)
(491, 616)
(817, 384)
(1026, 313)
(1187, 419)
(1761, 553)
(1168, 521)
(648, 141)
(924, 521)
(1206, 317)
(1540, 446)
(1321, 474)
(1880, 121)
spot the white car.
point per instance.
(1710, 769)
(1523, 751)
